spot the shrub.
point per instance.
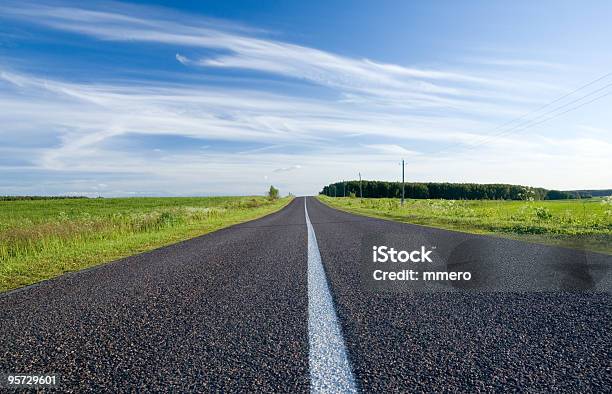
(542, 213)
(273, 193)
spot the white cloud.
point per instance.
(287, 169)
(391, 149)
(182, 59)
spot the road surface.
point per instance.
(280, 304)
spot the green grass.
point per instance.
(42, 239)
(581, 224)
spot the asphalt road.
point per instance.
(509, 338)
(225, 311)
(229, 311)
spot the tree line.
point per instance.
(591, 193)
(451, 191)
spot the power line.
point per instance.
(566, 111)
(451, 146)
(545, 120)
(535, 121)
(556, 100)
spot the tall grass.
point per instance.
(43, 238)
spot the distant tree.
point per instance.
(273, 193)
(558, 195)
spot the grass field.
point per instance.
(41, 239)
(582, 224)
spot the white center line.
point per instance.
(330, 371)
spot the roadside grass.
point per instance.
(42, 239)
(580, 224)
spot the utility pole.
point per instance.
(343, 188)
(360, 188)
(402, 182)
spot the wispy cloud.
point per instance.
(518, 63)
(85, 116)
(391, 83)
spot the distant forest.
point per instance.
(454, 191)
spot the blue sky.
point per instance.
(228, 97)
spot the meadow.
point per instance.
(40, 239)
(582, 224)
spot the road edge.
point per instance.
(485, 234)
